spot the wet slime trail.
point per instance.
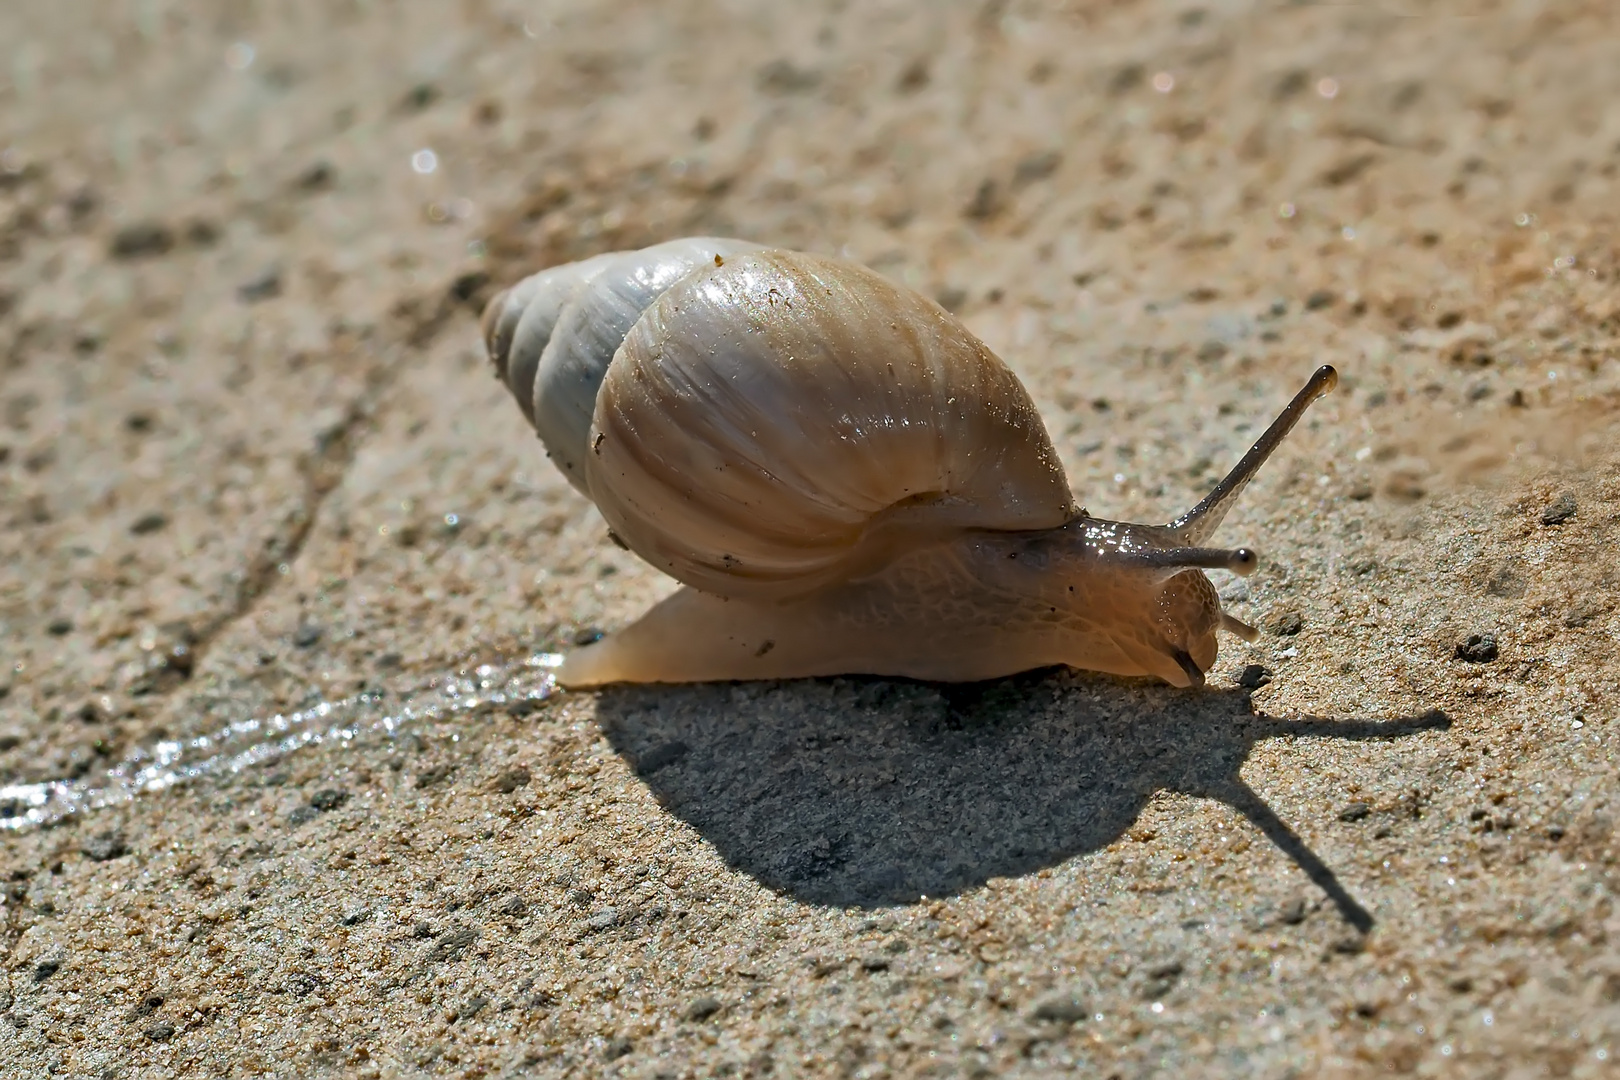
(256, 741)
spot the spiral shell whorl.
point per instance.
(758, 422)
(555, 333)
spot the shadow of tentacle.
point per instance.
(1242, 798)
(870, 792)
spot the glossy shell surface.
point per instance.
(770, 421)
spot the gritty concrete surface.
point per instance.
(251, 462)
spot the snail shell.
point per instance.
(773, 420)
(834, 465)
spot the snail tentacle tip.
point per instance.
(1239, 628)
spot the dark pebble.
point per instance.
(702, 1008)
(618, 1048)
(329, 799)
(105, 847)
(302, 815)
(1319, 299)
(138, 422)
(307, 634)
(420, 96)
(433, 774)
(263, 286)
(355, 918)
(1287, 623)
(1559, 510)
(1477, 649)
(59, 626)
(514, 906)
(472, 1008)
(783, 77)
(1356, 811)
(45, 969)
(148, 523)
(200, 232)
(1060, 1008)
(148, 1005)
(162, 1031)
(588, 635)
(318, 176)
(141, 239)
(452, 945)
(1253, 677)
(510, 780)
(875, 963)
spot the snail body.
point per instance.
(842, 476)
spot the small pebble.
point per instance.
(45, 969)
(618, 1048)
(263, 286)
(162, 1031)
(1287, 623)
(302, 815)
(702, 1008)
(420, 96)
(148, 523)
(603, 919)
(307, 634)
(1355, 811)
(104, 847)
(1559, 510)
(1060, 1008)
(329, 799)
(317, 176)
(1477, 649)
(510, 780)
(587, 635)
(200, 232)
(1252, 677)
(1319, 299)
(59, 626)
(142, 239)
(452, 945)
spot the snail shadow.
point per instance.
(875, 792)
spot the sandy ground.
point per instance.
(264, 515)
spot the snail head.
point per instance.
(1154, 606)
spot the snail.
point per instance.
(842, 477)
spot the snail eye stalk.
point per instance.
(1200, 523)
